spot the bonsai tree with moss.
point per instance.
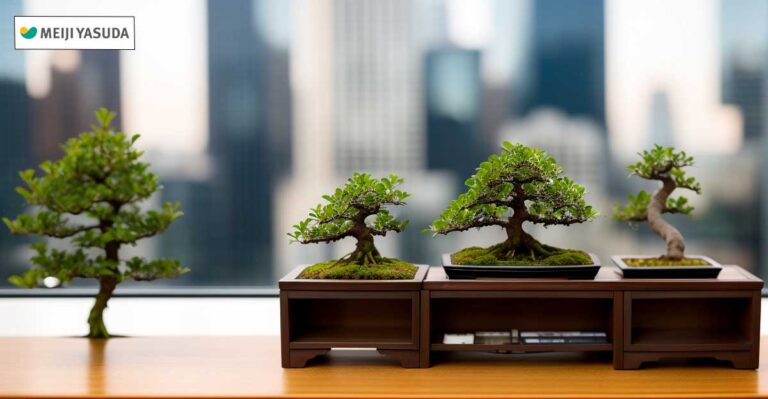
(522, 184)
(666, 166)
(90, 197)
(359, 210)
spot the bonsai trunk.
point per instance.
(97, 328)
(365, 252)
(519, 242)
(107, 284)
(672, 236)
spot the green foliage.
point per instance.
(90, 196)
(635, 209)
(520, 177)
(662, 162)
(335, 270)
(362, 196)
(491, 257)
(666, 165)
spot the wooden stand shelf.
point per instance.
(319, 315)
(645, 320)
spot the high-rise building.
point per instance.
(453, 91)
(80, 83)
(743, 55)
(249, 139)
(377, 89)
(744, 84)
(15, 151)
(660, 124)
(567, 69)
(744, 88)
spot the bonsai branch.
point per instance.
(384, 232)
(340, 216)
(326, 238)
(472, 224)
(549, 221)
(69, 232)
(488, 201)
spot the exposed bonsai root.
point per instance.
(368, 257)
(526, 245)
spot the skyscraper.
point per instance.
(15, 151)
(567, 58)
(453, 90)
(743, 52)
(661, 125)
(249, 125)
(81, 82)
(377, 90)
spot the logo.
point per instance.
(28, 33)
(74, 32)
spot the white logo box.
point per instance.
(76, 33)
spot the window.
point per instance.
(250, 110)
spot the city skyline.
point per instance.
(255, 108)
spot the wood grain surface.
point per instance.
(232, 367)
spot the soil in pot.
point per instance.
(386, 269)
(501, 255)
(664, 261)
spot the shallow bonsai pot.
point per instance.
(711, 271)
(317, 315)
(572, 272)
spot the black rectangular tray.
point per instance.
(471, 272)
(668, 272)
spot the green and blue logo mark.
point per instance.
(28, 33)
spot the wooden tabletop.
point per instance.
(732, 277)
(250, 367)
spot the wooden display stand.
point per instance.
(318, 315)
(646, 320)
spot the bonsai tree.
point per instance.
(358, 210)
(522, 184)
(665, 165)
(90, 197)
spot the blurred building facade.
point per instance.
(80, 83)
(453, 92)
(568, 58)
(302, 93)
(16, 150)
(377, 93)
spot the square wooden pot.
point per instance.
(319, 315)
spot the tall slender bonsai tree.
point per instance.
(522, 184)
(665, 165)
(347, 213)
(90, 197)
